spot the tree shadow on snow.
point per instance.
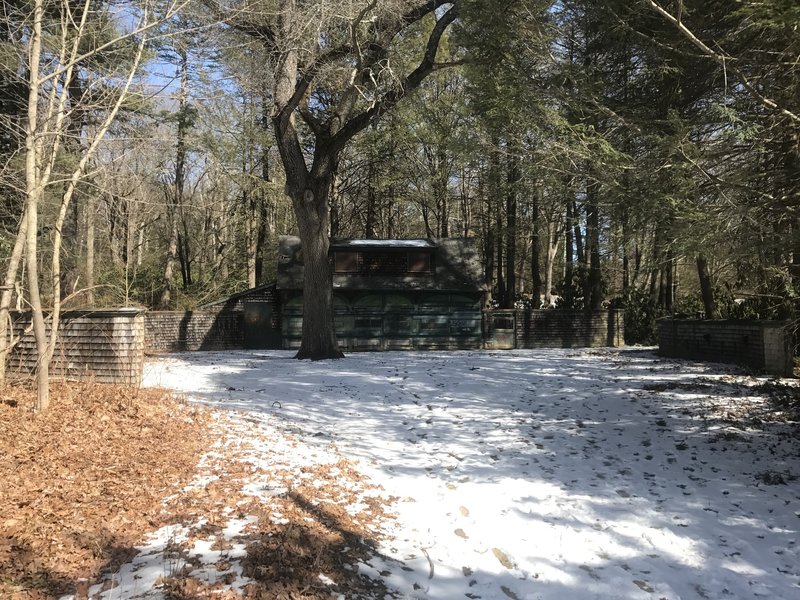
(655, 459)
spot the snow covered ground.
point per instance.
(541, 474)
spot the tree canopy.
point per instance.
(639, 154)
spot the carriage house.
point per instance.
(391, 294)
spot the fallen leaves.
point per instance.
(81, 483)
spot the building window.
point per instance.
(345, 262)
(419, 262)
(503, 323)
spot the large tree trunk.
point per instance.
(310, 191)
(310, 187)
(183, 248)
(168, 282)
(594, 277)
(553, 238)
(536, 250)
(513, 178)
(311, 207)
(706, 287)
(569, 257)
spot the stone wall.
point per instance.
(193, 330)
(762, 345)
(106, 346)
(551, 328)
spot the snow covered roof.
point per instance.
(372, 243)
(456, 265)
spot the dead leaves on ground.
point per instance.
(81, 483)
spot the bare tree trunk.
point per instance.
(594, 276)
(580, 250)
(89, 266)
(706, 287)
(442, 190)
(513, 179)
(489, 245)
(501, 284)
(261, 238)
(553, 237)
(310, 191)
(536, 250)
(569, 257)
(626, 266)
(140, 244)
(390, 217)
(35, 300)
(369, 224)
(654, 272)
(465, 206)
(251, 237)
(33, 195)
(7, 293)
(319, 340)
(168, 282)
(637, 263)
(180, 169)
(669, 290)
(495, 190)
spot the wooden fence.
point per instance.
(106, 346)
(762, 345)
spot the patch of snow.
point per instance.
(384, 243)
(544, 474)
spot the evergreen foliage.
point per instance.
(637, 154)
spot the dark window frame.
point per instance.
(346, 261)
(414, 257)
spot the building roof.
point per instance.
(372, 243)
(234, 298)
(456, 265)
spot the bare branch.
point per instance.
(412, 81)
(140, 30)
(724, 61)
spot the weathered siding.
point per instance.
(266, 294)
(193, 330)
(455, 265)
(104, 346)
(568, 328)
(381, 320)
(763, 345)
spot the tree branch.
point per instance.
(724, 61)
(412, 81)
(420, 11)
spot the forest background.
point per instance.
(641, 154)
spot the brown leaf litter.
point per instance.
(83, 483)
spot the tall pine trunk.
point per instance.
(513, 179)
(594, 278)
(536, 250)
(706, 287)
